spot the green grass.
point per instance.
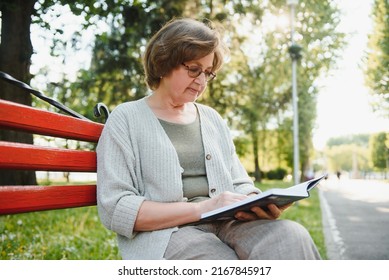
(306, 212)
(77, 234)
(74, 234)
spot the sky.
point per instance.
(343, 105)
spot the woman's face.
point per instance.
(180, 87)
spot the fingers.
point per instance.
(272, 213)
(284, 207)
(245, 216)
(255, 214)
(227, 198)
(262, 214)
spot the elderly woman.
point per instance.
(164, 160)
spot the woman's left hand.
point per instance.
(272, 212)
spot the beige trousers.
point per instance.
(231, 240)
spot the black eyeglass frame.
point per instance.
(209, 76)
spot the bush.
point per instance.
(276, 174)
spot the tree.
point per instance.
(321, 44)
(262, 83)
(253, 91)
(111, 75)
(135, 17)
(349, 153)
(116, 72)
(348, 157)
(377, 57)
(358, 139)
(380, 150)
(15, 55)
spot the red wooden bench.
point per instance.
(17, 156)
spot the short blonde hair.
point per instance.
(178, 41)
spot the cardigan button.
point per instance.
(213, 190)
(208, 156)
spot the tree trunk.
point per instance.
(15, 59)
(257, 170)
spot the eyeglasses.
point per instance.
(195, 71)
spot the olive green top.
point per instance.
(186, 139)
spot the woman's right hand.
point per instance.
(159, 215)
(220, 200)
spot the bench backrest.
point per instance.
(17, 156)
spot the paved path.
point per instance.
(355, 219)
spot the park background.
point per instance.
(85, 52)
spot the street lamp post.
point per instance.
(294, 51)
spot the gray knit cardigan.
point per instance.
(136, 161)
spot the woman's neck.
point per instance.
(170, 111)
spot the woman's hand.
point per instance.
(271, 213)
(154, 215)
(220, 200)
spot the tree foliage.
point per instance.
(380, 150)
(116, 74)
(358, 153)
(263, 84)
(253, 90)
(377, 58)
(349, 158)
(358, 139)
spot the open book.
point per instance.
(277, 196)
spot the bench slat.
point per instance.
(21, 117)
(19, 156)
(30, 157)
(22, 199)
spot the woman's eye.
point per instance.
(195, 70)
